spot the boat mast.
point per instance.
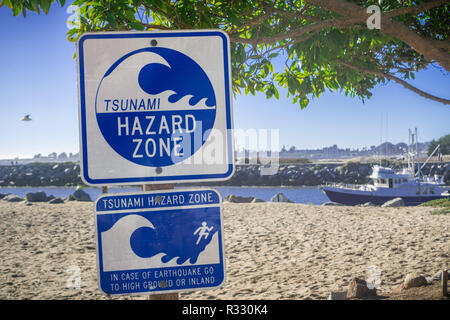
(408, 153)
(411, 164)
(419, 172)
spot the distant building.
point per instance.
(52, 157)
(334, 152)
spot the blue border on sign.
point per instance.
(84, 160)
(220, 267)
(215, 203)
(150, 200)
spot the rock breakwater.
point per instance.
(68, 174)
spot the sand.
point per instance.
(273, 250)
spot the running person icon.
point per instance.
(202, 231)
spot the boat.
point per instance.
(408, 183)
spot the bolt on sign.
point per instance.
(155, 107)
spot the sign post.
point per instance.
(151, 187)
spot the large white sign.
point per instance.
(155, 107)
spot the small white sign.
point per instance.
(163, 241)
(155, 107)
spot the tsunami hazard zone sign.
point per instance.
(159, 242)
(155, 107)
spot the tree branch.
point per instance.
(423, 46)
(156, 26)
(344, 8)
(396, 79)
(298, 32)
(262, 54)
(428, 48)
(415, 9)
(295, 15)
(444, 44)
(175, 20)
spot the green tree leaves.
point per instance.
(444, 143)
(22, 6)
(320, 45)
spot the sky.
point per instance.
(38, 77)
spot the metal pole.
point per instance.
(418, 155)
(428, 159)
(153, 187)
(444, 280)
(409, 149)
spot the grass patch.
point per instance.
(441, 211)
(438, 203)
(294, 160)
(442, 204)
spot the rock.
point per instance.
(414, 280)
(397, 202)
(256, 200)
(398, 289)
(368, 204)
(429, 280)
(358, 289)
(56, 200)
(12, 198)
(280, 197)
(331, 203)
(238, 199)
(70, 198)
(437, 276)
(338, 295)
(363, 170)
(81, 195)
(36, 196)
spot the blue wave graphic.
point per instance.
(184, 76)
(175, 236)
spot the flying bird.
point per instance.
(26, 118)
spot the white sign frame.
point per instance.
(144, 209)
(100, 163)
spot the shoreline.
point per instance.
(295, 194)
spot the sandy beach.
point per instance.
(273, 250)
